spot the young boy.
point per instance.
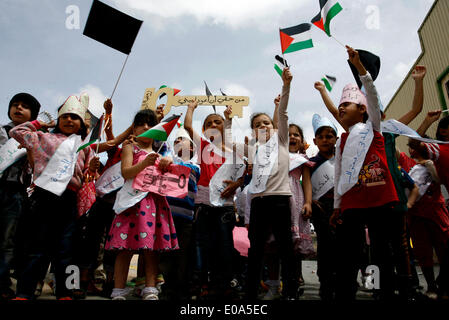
(364, 190)
(177, 265)
(15, 178)
(322, 178)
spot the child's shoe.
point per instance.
(159, 282)
(150, 293)
(120, 294)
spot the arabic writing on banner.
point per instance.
(150, 99)
(173, 183)
(10, 153)
(110, 180)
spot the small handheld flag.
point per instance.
(296, 38)
(208, 93)
(94, 135)
(328, 10)
(279, 64)
(175, 91)
(162, 130)
(329, 82)
(370, 61)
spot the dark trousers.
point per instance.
(214, 244)
(350, 242)
(49, 228)
(12, 203)
(271, 214)
(326, 246)
(93, 229)
(176, 265)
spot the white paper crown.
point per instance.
(75, 106)
(182, 133)
(318, 122)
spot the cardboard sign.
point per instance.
(173, 183)
(150, 99)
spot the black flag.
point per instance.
(208, 93)
(111, 27)
(370, 61)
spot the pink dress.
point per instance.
(147, 225)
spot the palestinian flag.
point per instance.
(162, 130)
(208, 93)
(296, 38)
(280, 64)
(93, 136)
(176, 91)
(329, 82)
(328, 10)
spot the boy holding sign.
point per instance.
(364, 189)
(14, 179)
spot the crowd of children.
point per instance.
(358, 190)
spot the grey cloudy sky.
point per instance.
(231, 44)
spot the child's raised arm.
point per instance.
(188, 123)
(283, 103)
(418, 75)
(129, 171)
(328, 102)
(431, 117)
(371, 92)
(276, 111)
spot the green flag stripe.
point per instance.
(155, 134)
(299, 46)
(85, 145)
(278, 70)
(333, 11)
(327, 84)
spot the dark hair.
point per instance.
(255, 115)
(147, 116)
(321, 129)
(209, 115)
(415, 146)
(443, 124)
(29, 100)
(82, 131)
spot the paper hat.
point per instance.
(318, 122)
(370, 61)
(381, 106)
(29, 100)
(182, 133)
(75, 106)
(352, 93)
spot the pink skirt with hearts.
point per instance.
(147, 225)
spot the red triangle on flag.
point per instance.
(320, 24)
(286, 40)
(176, 91)
(168, 126)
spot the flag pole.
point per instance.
(120, 75)
(98, 143)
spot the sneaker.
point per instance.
(120, 294)
(432, 295)
(150, 293)
(119, 298)
(272, 294)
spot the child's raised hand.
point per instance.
(353, 55)
(227, 112)
(45, 125)
(419, 73)
(94, 164)
(150, 160)
(160, 112)
(287, 76)
(164, 163)
(192, 105)
(319, 86)
(277, 100)
(433, 116)
(107, 105)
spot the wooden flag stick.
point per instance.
(115, 87)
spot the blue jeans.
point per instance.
(12, 201)
(48, 229)
(214, 244)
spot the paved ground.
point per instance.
(311, 286)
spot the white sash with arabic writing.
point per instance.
(10, 153)
(356, 148)
(323, 179)
(396, 127)
(59, 170)
(127, 197)
(422, 177)
(228, 171)
(264, 161)
(110, 180)
(296, 160)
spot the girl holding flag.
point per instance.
(58, 173)
(143, 221)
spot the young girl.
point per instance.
(428, 220)
(270, 196)
(213, 224)
(51, 222)
(146, 225)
